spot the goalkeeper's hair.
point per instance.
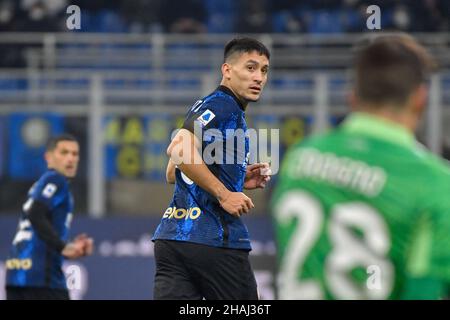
(390, 68)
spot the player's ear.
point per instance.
(420, 97)
(226, 71)
(48, 157)
(352, 100)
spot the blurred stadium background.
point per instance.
(123, 82)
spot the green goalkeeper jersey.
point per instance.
(362, 212)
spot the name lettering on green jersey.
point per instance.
(340, 171)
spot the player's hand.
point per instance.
(89, 246)
(86, 242)
(73, 250)
(236, 203)
(257, 176)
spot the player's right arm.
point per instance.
(184, 152)
(170, 172)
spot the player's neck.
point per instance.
(402, 118)
(242, 101)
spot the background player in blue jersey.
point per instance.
(201, 244)
(34, 267)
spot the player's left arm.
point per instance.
(440, 263)
(440, 255)
(44, 200)
(432, 270)
(39, 216)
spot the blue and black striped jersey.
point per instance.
(32, 262)
(193, 214)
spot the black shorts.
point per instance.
(191, 271)
(34, 293)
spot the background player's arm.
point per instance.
(170, 172)
(257, 176)
(73, 250)
(184, 152)
(38, 214)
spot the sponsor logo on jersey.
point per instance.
(181, 213)
(19, 264)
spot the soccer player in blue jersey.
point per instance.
(201, 245)
(34, 267)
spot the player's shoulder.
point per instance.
(53, 177)
(220, 101)
(217, 102)
(313, 143)
(50, 184)
(215, 108)
(437, 165)
(437, 186)
(318, 140)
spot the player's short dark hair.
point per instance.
(242, 45)
(390, 68)
(53, 141)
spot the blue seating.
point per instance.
(324, 21)
(13, 84)
(291, 83)
(221, 15)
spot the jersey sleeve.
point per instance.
(430, 256)
(213, 123)
(50, 191)
(440, 253)
(214, 114)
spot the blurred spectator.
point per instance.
(141, 15)
(40, 15)
(187, 16)
(323, 4)
(249, 16)
(7, 13)
(95, 6)
(324, 21)
(402, 18)
(430, 15)
(254, 17)
(101, 16)
(286, 16)
(221, 15)
(10, 55)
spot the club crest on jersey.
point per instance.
(206, 117)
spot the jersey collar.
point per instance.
(359, 122)
(69, 180)
(230, 93)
